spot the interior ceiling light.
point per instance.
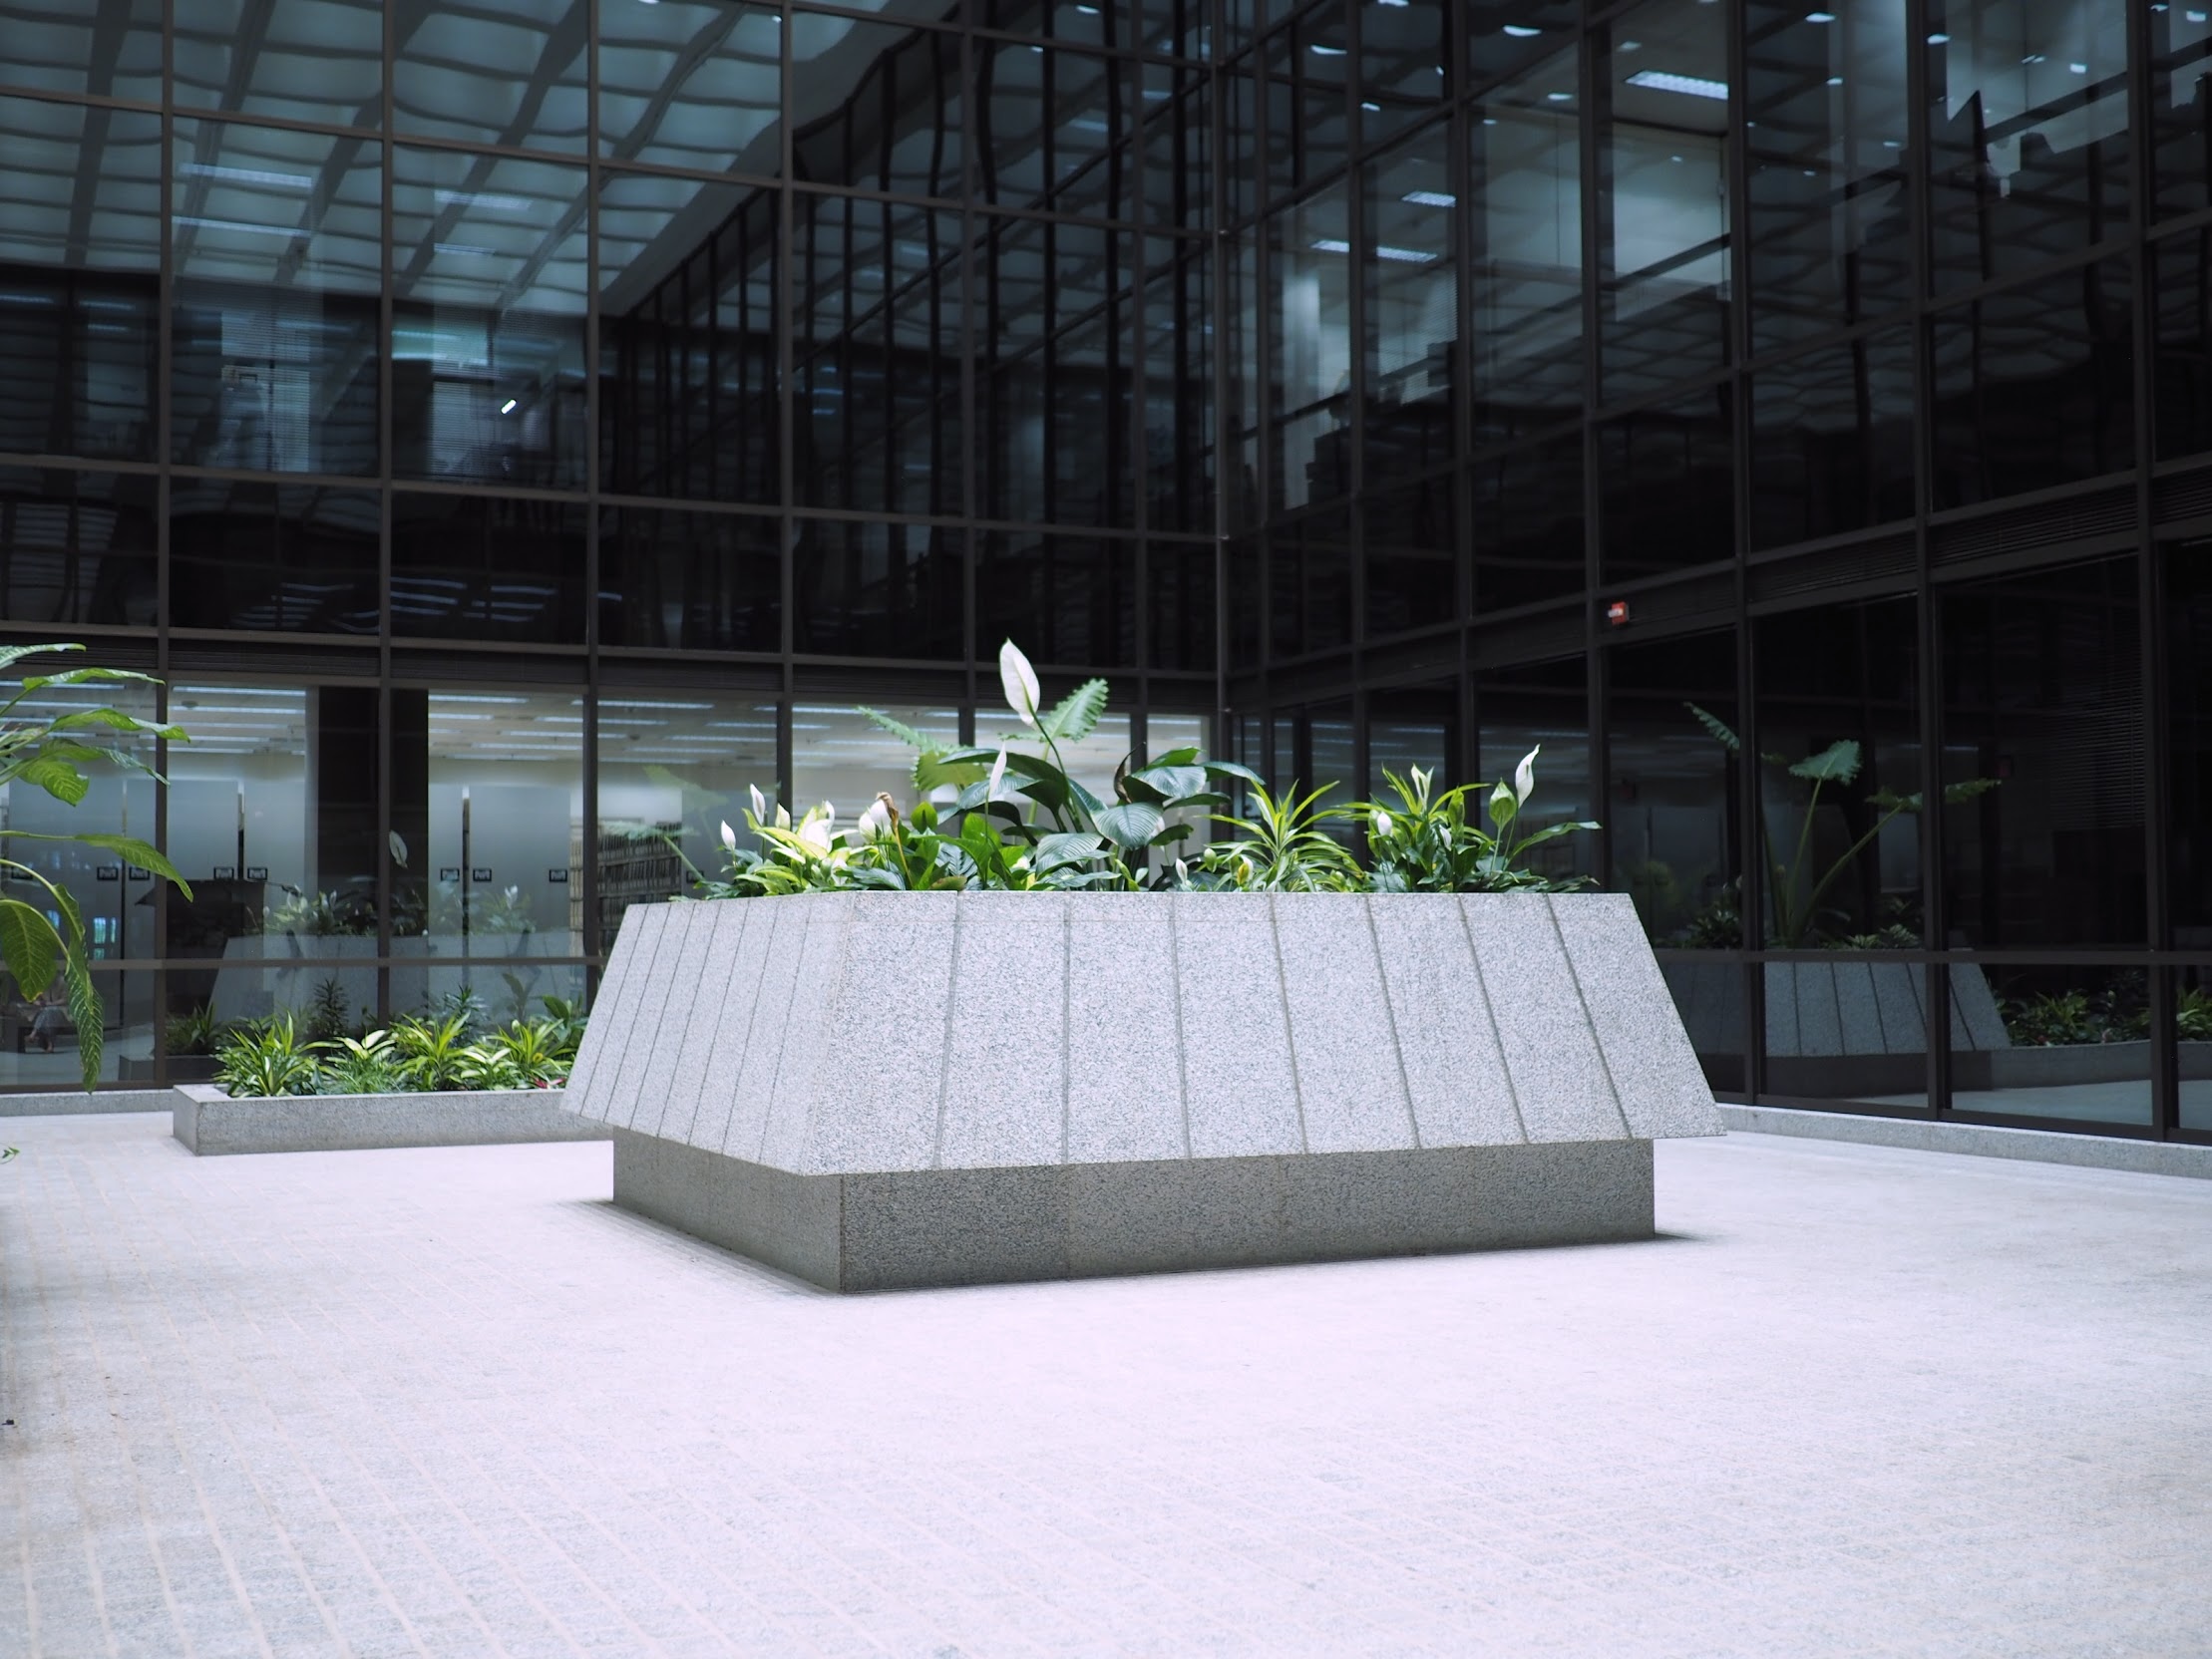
(1329, 51)
(1938, 40)
(248, 176)
(1820, 17)
(1406, 256)
(1429, 199)
(507, 408)
(1329, 244)
(1521, 31)
(1689, 86)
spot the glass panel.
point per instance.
(1059, 130)
(501, 829)
(1831, 215)
(691, 85)
(1842, 851)
(1177, 180)
(489, 993)
(1544, 704)
(1308, 125)
(1181, 583)
(878, 590)
(275, 244)
(38, 1039)
(2181, 136)
(879, 351)
(705, 582)
(1310, 577)
(1850, 1029)
(476, 567)
(1412, 567)
(1832, 441)
(280, 557)
(1061, 598)
(80, 297)
(1056, 381)
(2193, 1028)
(2051, 1042)
(1663, 207)
(877, 108)
(1526, 217)
(1401, 65)
(2034, 387)
(2028, 133)
(1311, 358)
(2043, 764)
(674, 768)
(1179, 386)
(1668, 477)
(2188, 621)
(1505, 35)
(1527, 530)
(109, 51)
(2181, 382)
(306, 60)
(1674, 838)
(1079, 22)
(689, 402)
(488, 301)
(507, 72)
(77, 546)
(1411, 311)
(1413, 727)
(847, 760)
(1247, 592)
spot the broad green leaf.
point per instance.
(932, 771)
(56, 777)
(1077, 714)
(1836, 763)
(1066, 845)
(1231, 769)
(1958, 795)
(86, 676)
(1131, 824)
(10, 655)
(1713, 724)
(132, 850)
(1171, 783)
(86, 1014)
(1175, 757)
(116, 719)
(29, 945)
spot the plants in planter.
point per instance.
(415, 1055)
(42, 946)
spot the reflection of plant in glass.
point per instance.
(2192, 1014)
(195, 1032)
(1795, 905)
(2119, 1012)
(39, 944)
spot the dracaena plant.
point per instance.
(1424, 841)
(1794, 889)
(45, 945)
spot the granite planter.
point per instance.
(209, 1123)
(882, 1090)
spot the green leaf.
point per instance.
(116, 719)
(10, 655)
(29, 945)
(1175, 757)
(934, 770)
(1713, 724)
(1958, 795)
(1077, 714)
(56, 777)
(132, 850)
(1164, 784)
(1836, 763)
(1231, 769)
(898, 729)
(86, 1014)
(1132, 824)
(1070, 847)
(85, 676)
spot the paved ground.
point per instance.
(1862, 1401)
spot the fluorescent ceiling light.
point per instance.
(286, 231)
(248, 176)
(622, 703)
(1820, 17)
(485, 198)
(1406, 256)
(507, 408)
(1329, 244)
(1329, 51)
(1689, 86)
(1429, 199)
(1521, 31)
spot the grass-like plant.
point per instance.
(265, 1059)
(415, 1055)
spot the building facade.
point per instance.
(515, 429)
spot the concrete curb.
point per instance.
(212, 1124)
(2038, 1145)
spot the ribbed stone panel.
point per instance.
(862, 1035)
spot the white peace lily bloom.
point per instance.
(729, 836)
(997, 776)
(783, 816)
(814, 831)
(1382, 821)
(1524, 776)
(876, 819)
(1019, 682)
(1504, 792)
(760, 803)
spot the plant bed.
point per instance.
(210, 1122)
(886, 1090)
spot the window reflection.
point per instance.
(1527, 525)
(282, 558)
(1308, 101)
(1179, 386)
(691, 85)
(706, 582)
(845, 760)
(109, 51)
(507, 72)
(482, 568)
(80, 248)
(1826, 131)
(77, 546)
(306, 60)
(1832, 441)
(2028, 133)
(2180, 120)
(1180, 578)
(2181, 385)
(1667, 474)
(2041, 1041)
(878, 590)
(1412, 568)
(1412, 313)
(1547, 704)
(2188, 595)
(1401, 64)
(1062, 598)
(1525, 221)
(274, 241)
(877, 107)
(1505, 35)
(1059, 130)
(1662, 173)
(489, 284)
(1309, 583)
(1311, 332)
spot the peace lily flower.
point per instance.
(814, 829)
(1382, 822)
(729, 836)
(878, 818)
(997, 776)
(1524, 776)
(760, 805)
(1019, 681)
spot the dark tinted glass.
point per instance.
(1542, 706)
(1674, 836)
(1309, 325)
(2188, 605)
(878, 590)
(1668, 483)
(282, 558)
(2181, 375)
(1526, 524)
(1664, 260)
(692, 85)
(1247, 593)
(2043, 761)
(705, 582)
(1176, 168)
(1309, 583)
(877, 107)
(1504, 36)
(77, 546)
(306, 60)
(1525, 221)
(1067, 599)
(1308, 109)
(1832, 441)
(1179, 386)
(1401, 65)
(1058, 128)
(1830, 234)
(470, 567)
(1411, 311)
(879, 349)
(688, 403)
(1413, 579)
(2180, 95)
(1181, 583)
(110, 51)
(80, 253)
(2041, 1041)
(505, 72)
(2034, 387)
(2028, 133)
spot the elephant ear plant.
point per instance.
(41, 945)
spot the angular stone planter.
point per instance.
(887, 1089)
(210, 1122)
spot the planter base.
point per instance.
(931, 1227)
(209, 1123)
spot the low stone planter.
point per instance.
(883, 1090)
(210, 1122)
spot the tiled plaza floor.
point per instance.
(1859, 1402)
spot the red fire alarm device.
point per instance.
(1617, 613)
